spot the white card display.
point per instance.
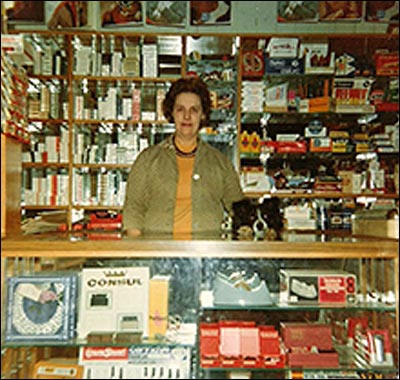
(114, 299)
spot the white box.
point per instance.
(114, 299)
(317, 286)
(104, 362)
(282, 47)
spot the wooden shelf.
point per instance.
(364, 45)
(117, 121)
(102, 166)
(126, 78)
(137, 248)
(314, 195)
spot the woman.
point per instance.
(181, 186)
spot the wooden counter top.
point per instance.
(356, 248)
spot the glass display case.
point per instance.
(261, 309)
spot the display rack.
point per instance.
(193, 267)
(94, 104)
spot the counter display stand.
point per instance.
(236, 307)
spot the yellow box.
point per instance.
(340, 146)
(158, 305)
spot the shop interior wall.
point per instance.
(247, 17)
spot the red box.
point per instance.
(387, 64)
(320, 144)
(302, 340)
(317, 286)
(311, 360)
(307, 335)
(287, 146)
(209, 345)
(269, 341)
(253, 63)
(271, 348)
(353, 324)
(249, 342)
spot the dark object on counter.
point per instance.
(262, 216)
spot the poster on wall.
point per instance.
(166, 13)
(340, 10)
(210, 12)
(384, 12)
(23, 12)
(121, 13)
(66, 14)
(297, 11)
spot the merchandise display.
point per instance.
(238, 290)
(57, 369)
(303, 280)
(139, 362)
(41, 308)
(309, 345)
(295, 124)
(247, 325)
(113, 300)
(322, 286)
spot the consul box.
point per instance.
(317, 286)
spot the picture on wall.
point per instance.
(166, 13)
(297, 11)
(24, 11)
(210, 12)
(382, 11)
(121, 13)
(340, 10)
(66, 14)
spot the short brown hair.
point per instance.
(193, 85)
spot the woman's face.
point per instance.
(187, 114)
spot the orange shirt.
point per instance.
(183, 205)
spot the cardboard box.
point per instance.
(376, 227)
(253, 63)
(313, 360)
(387, 63)
(159, 361)
(317, 286)
(347, 180)
(114, 299)
(281, 66)
(41, 308)
(320, 144)
(209, 345)
(158, 305)
(309, 345)
(314, 132)
(104, 362)
(57, 369)
(307, 335)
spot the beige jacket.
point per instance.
(151, 190)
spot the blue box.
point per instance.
(282, 66)
(41, 308)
